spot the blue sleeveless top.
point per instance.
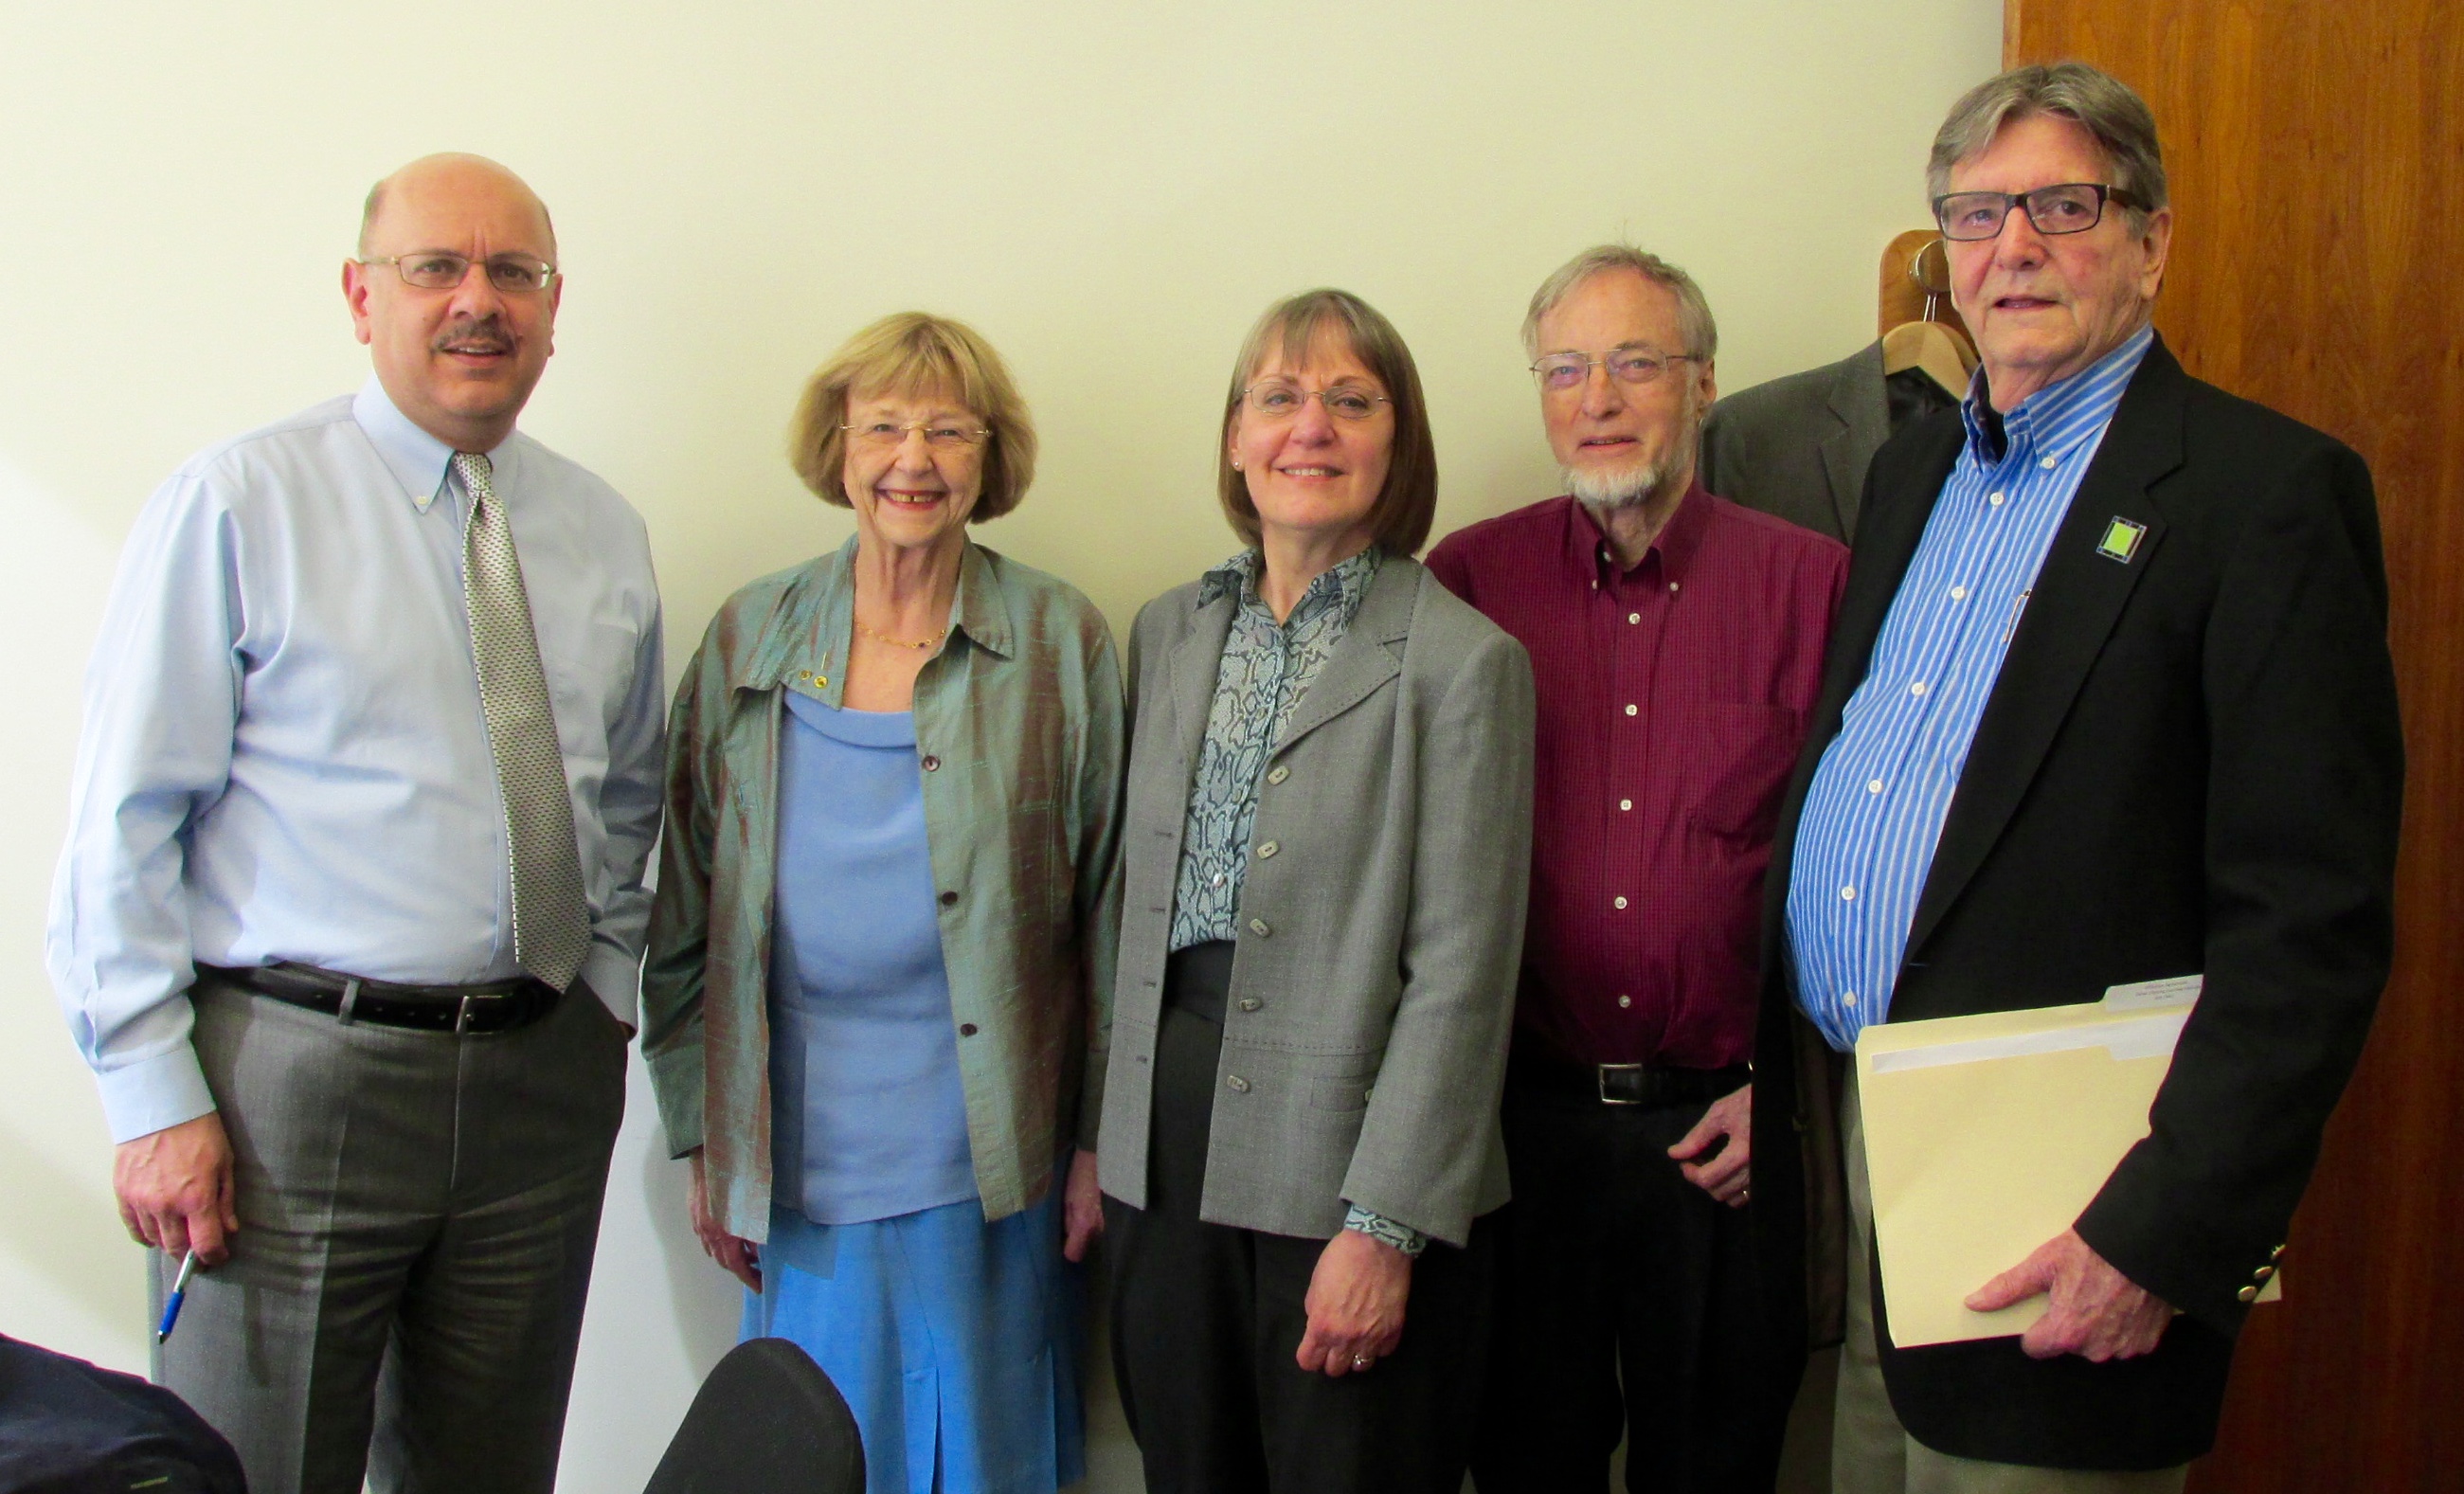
(868, 1119)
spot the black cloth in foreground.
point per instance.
(70, 1427)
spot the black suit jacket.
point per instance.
(2189, 764)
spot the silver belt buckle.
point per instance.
(1600, 1077)
(462, 1013)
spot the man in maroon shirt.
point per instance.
(1677, 642)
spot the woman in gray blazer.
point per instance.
(1325, 849)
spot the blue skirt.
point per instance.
(955, 1342)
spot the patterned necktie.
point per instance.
(551, 921)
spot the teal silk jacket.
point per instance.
(1019, 726)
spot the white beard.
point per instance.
(1605, 492)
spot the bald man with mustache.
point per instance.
(349, 921)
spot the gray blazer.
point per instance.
(1373, 982)
(1797, 446)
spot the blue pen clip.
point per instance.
(179, 1295)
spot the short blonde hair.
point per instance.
(913, 355)
(1409, 501)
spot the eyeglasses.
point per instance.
(1285, 401)
(513, 275)
(2067, 207)
(1561, 371)
(887, 433)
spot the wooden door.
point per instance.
(2318, 267)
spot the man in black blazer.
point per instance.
(2109, 699)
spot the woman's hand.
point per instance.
(1082, 1207)
(1356, 1305)
(741, 1257)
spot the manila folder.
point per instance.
(1987, 1135)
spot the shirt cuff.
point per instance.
(1385, 1231)
(149, 1094)
(617, 981)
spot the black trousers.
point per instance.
(1612, 1269)
(1206, 1319)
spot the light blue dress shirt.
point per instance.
(1875, 809)
(283, 757)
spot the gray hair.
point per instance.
(2098, 101)
(1694, 323)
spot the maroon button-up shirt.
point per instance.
(1673, 699)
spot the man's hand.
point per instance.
(1356, 1305)
(1727, 1173)
(2095, 1312)
(741, 1257)
(1082, 1207)
(175, 1189)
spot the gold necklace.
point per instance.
(933, 642)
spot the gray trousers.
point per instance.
(1870, 1452)
(418, 1213)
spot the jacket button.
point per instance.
(932, 764)
(2262, 1273)
(1250, 1003)
(1236, 1083)
(966, 1029)
(2248, 1294)
(1268, 850)
(949, 899)
(1277, 774)
(2276, 1253)
(1258, 927)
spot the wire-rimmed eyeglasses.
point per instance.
(437, 270)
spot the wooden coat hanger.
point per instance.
(1933, 339)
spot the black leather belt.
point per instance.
(495, 1006)
(1628, 1084)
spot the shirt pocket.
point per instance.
(1745, 752)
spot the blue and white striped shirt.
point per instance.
(1875, 809)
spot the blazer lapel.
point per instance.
(1859, 400)
(1366, 656)
(1190, 670)
(2078, 595)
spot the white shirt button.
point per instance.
(1847, 997)
(1216, 881)
(1958, 593)
(1875, 787)
(1620, 902)
(1847, 894)
(2048, 464)
(1634, 617)
(1625, 804)
(1625, 1000)
(1993, 498)
(1917, 689)
(1630, 709)
(1672, 586)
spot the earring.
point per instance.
(1236, 466)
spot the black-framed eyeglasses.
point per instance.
(437, 270)
(2065, 207)
(1562, 371)
(1285, 401)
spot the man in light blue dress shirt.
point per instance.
(284, 927)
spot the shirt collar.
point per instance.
(1589, 558)
(1339, 588)
(2055, 419)
(806, 637)
(419, 461)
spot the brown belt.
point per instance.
(492, 1006)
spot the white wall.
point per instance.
(1109, 192)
